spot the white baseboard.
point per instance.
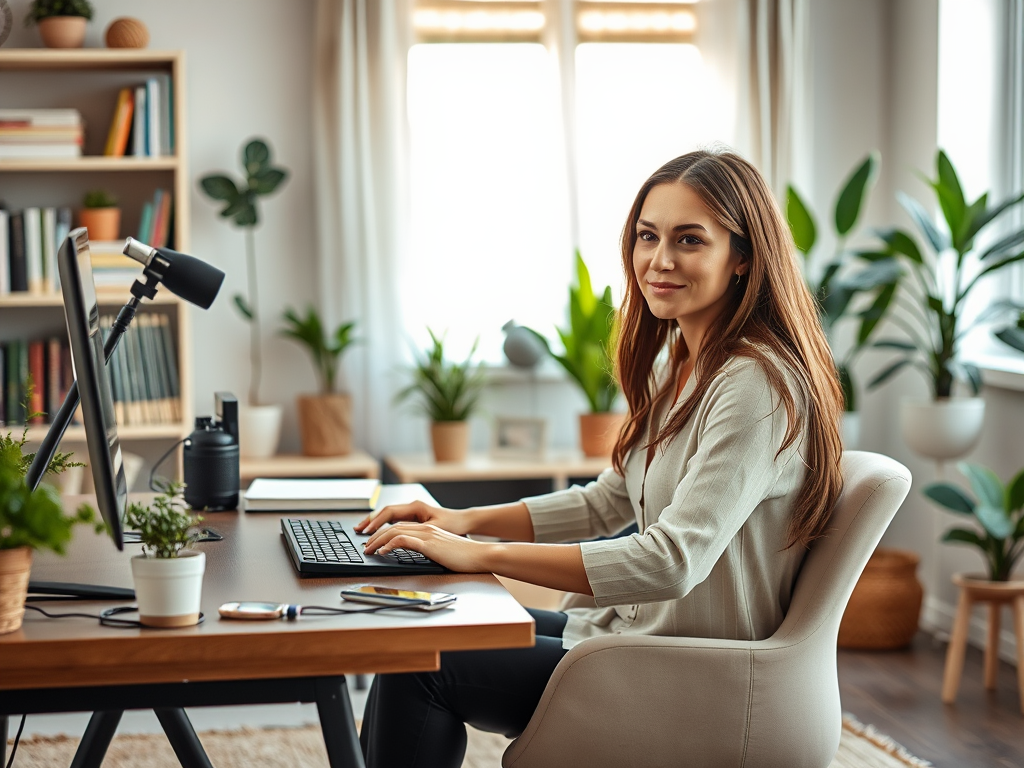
(938, 616)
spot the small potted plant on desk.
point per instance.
(589, 344)
(448, 393)
(61, 22)
(325, 419)
(29, 519)
(168, 575)
(100, 215)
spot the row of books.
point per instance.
(35, 375)
(144, 371)
(40, 133)
(143, 120)
(155, 221)
(28, 248)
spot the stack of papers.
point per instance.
(318, 495)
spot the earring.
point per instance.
(737, 278)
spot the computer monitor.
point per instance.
(82, 312)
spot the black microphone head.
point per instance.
(193, 280)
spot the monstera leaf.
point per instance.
(261, 178)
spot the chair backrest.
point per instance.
(874, 487)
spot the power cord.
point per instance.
(107, 618)
(161, 460)
(17, 738)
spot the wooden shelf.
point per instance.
(557, 465)
(77, 434)
(112, 296)
(87, 58)
(90, 164)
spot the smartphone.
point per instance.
(421, 601)
(249, 610)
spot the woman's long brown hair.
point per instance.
(770, 308)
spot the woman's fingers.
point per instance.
(382, 536)
(390, 513)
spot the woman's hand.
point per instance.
(443, 547)
(417, 512)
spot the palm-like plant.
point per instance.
(832, 285)
(261, 178)
(999, 511)
(589, 341)
(942, 280)
(447, 391)
(325, 350)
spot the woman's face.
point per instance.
(682, 259)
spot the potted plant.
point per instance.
(832, 284)
(325, 419)
(933, 289)
(998, 512)
(259, 424)
(100, 215)
(168, 575)
(29, 520)
(447, 393)
(1013, 335)
(589, 343)
(61, 22)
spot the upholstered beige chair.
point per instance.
(683, 702)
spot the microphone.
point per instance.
(186, 276)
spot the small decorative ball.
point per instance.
(127, 32)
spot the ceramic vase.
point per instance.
(450, 440)
(325, 424)
(598, 433)
(259, 430)
(942, 429)
(169, 589)
(62, 31)
(15, 565)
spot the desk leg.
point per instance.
(96, 739)
(338, 724)
(183, 738)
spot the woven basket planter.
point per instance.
(885, 606)
(14, 569)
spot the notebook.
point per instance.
(311, 495)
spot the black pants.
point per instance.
(417, 719)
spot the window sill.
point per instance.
(1005, 371)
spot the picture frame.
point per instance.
(518, 438)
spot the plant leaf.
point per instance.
(1003, 245)
(939, 241)
(906, 346)
(1012, 336)
(852, 197)
(801, 222)
(889, 372)
(950, 497)
(991, 213)
(951, 196)
(255, 155)
(243, 306)
(984, 482)
(267, 180)
(963, 536)
(874, 314)
(994, 520)
(1015, 492)
(902, 243)
(219, 187)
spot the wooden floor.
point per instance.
(898, 693)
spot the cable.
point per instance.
(17, 738)
(161, 460)
(106, 618)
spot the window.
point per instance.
(500, 183)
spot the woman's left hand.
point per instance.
(448, 549)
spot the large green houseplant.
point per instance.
(447, 393)
(589, 344)
(260, 424)
(835, 284)
(29, 520)
(936, 282)
(997, 510)
(325, 419)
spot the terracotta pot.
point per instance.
(102, 223)
(325, 424)
(942, 429)
(598, 433)
(14, 568)
(62, 31)
(885, 606)
(450, 440)
(169, 589)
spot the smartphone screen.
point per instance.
(371, 593)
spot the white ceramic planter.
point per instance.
(851, 430)
(169, 589)
(259, 430)
(942, 429)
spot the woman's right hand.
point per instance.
(454, 521)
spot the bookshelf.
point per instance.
(89, 80)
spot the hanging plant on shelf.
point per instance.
(261, 178)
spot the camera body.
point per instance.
(210, 458)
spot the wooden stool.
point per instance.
(996, 594)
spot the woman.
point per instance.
(729, 462)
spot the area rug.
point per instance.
(860, 747)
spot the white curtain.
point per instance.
(360, 146)
(760, 50)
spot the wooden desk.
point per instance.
(355, 464)
(76, 665)
(559, 466)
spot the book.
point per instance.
(152, 117)
(37, 372)
(146, 223)
(44, 151)
(139, 140)
(18, 257)
(267, 494)
(48, 239)
(5, 253)
(120, 124)
(40, 117)
(34, 249)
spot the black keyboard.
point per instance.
(333, 548)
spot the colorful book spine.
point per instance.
(120, 124)
(34, 249)
(139, 140)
